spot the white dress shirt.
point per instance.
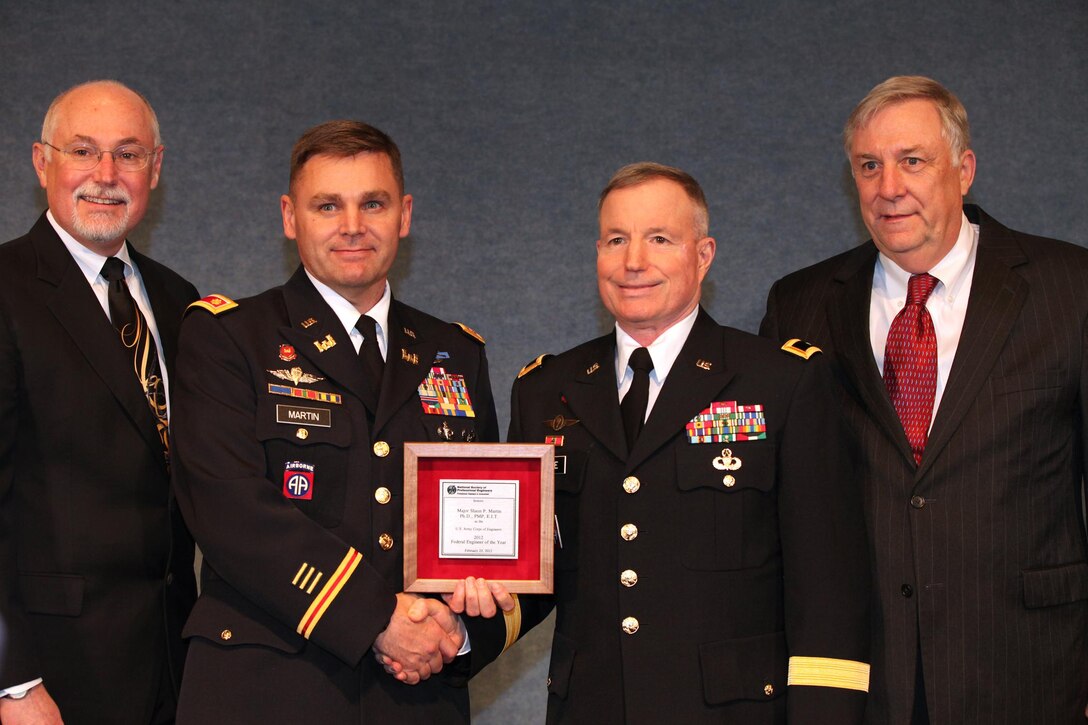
(663, 352)
(90, 263)
(947, 304)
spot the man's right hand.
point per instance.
(423, 634)
(37, 708)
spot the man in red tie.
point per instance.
(959, 348)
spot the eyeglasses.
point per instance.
(84, 156)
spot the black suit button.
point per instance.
(169, 578)
(908, 590)
(918, 501)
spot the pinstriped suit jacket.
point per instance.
(980, 553)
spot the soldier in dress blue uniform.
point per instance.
(291, 411)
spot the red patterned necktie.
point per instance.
(910, 363)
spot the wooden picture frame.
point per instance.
(449, 484)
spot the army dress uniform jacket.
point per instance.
(96, 567)
(693, 580)
(291, 479)
(980, 552)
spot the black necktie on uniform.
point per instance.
(137, 338)
(370, 354)
(633, 406)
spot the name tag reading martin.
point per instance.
(478, 519)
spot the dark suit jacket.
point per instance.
(980, 551)
(735, 577)
(87, 520)
(296, 589)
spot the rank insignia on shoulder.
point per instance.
(534, 364)
(800, 348)
(471, 333)
(215, 304)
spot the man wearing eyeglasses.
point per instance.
(95, 565)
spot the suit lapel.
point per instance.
(698, 375)
(997, 295)
(848, 319)
(73, 303)
(411, 350)
(593, 396)
(316, 333)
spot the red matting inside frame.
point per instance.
(431, 471)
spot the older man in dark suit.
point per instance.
(95, 566)
(960, 351)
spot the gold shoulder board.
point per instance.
(471, 333)
(800, 348)
(214, 304)
(533, 365)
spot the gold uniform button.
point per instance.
(729, 481)
(382, 495)
(628, 532)
(225, 635)
(629, 625)
(302, 434)
(381, 449)
(768, 689)
(628, 577)
(386, 542)
(631, 484)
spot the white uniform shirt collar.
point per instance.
(89, 261)
(663, 351)
(348, 315)
(951, 271)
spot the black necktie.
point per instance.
(633, 407)
(370, 354)
(137, 338)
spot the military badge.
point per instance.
(554, 440)
(409, 357)
(287, 353)
(295, 375)
(309, 322)
(443, 393)
(298, 480)
(323, 345)
(725, 422)
(560, 422)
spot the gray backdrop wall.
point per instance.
(512, 115)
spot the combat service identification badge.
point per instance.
(298, 480)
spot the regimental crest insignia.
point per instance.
(298, 480)
(287, 353)
(295, 375)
